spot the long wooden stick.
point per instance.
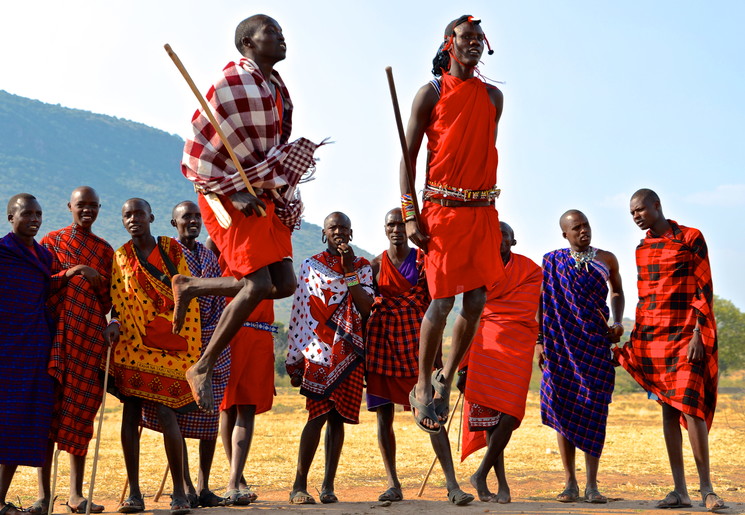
(434, 461)
(208, 112)
(162, 484)
(53, 497)
(126, 481)
(98, 433)
(404, 146)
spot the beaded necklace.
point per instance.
(584, 257)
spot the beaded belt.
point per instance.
(463, 195)
(262, 326)
(460, 203)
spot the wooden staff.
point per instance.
(404, 146)
(126, 481)
(98, 432)
(431, 467)
(53, 497)
(162, 484)
(208, 112)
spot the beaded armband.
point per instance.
(351, 280)
(407, 207)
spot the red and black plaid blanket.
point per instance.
(675, 289)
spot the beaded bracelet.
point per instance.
(539, 339)
(115, 321)
(407, 207)
(351, 280)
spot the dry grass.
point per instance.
(634, 463)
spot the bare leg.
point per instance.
(387, 443)
(174, 445)
(698, 435)
(568, 452)
(206, 455)
(464, 330)
(674, 445)
(44, 476)
(242, 436)
(497, 437)
(432, 328)
(441, 446)
(6, 477)
(592, 493)
(131, 414)
(333, 444)
(503, 493)
(309, 440)
(77, 474)
(188, 484)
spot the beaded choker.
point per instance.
(583, 258)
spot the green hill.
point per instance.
(48, 150)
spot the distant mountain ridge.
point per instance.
(48, 150)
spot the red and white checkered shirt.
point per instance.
(246, 110)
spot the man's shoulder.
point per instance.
(520, 259)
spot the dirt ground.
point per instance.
(634, 471)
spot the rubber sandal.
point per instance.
(718, 503)
(301, 497)
(392, 494)
(442, 404)
(251, 494)
(423, 411)
(38, 508)
(328, 498)
(80, 508)
(676, 502)
(132, 504)
(180, 506)
(10, 509)
(459, 497)
(236, 498)
(593, 496)
(570, 494)
(210, 500)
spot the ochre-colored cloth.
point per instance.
(251, 381)
(500, 360)
(26, 329)
(251, 242)
(578, 373)
(463, 250)
(198, 424)
(149, 361)
(78, 350)
(675, 288)
(325, 336)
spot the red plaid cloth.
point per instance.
(345, 399)
(245, 108)
(392, 338)
(675, 288)
(325, 339)
(78, 349)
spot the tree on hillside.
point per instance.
(731, 335)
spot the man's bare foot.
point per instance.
(200, 382)
(504, 496)
(482, 490)
(179, 285)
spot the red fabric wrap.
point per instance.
(463, 251)
(500, 359)
(393, 326)
(675, 288)
(78, 349)
(251, 380)
(251, 242)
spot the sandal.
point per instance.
(570, 494)
(82, 506)
(132, 504)
(459, 497)
(423, 411)
(180, 506)
(328, 498)
(38, 508)
(236, 498)
(10, 509)
(442, 404)
(593, 495)
(251, 495)
(393, 494)
(672, 500)
(210, 499)
(301, 497)
(717, 504)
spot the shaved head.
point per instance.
(341, 218)
(645, 195)
(248, 27)
(17, 200)
(83, 191)
(567, 216)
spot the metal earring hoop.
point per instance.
(323, 238)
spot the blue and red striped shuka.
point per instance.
(578, 377)
(26, 388)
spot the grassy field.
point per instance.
(634, 463)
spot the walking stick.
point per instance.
(53, 497)
(98, 432)
(404, 146)
(213, 121)
(162, 484)
(126, 481)
(431, 467)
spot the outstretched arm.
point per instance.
(421, 111)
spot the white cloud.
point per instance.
(726, 195)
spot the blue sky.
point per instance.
(601, 98)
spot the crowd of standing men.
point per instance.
(190, 327)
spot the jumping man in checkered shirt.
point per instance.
(253, 107)
(575, 340)
(672, 352)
